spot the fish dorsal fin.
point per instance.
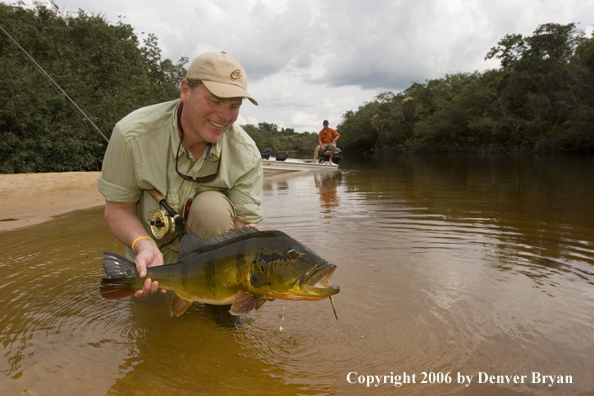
(259, 280)
(188, 243)
(245, 302)
(191, 242)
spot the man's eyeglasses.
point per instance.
(202, 179)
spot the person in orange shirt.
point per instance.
(327, 139)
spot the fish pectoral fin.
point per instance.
(260, 303)
(259, 280)
(179, 305)
(245, 302)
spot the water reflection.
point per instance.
(446, 264)
(533, 214)
(59, 337)
(327, 184)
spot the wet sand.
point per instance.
(32, 198)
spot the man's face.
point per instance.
(207, 116)
(326, 126)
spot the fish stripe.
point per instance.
(262, 264)
(210, 273)
(240, 265)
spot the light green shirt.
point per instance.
(141, 156)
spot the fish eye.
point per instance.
(293, 254)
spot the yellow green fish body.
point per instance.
(245, 267)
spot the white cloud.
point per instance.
(303, 120)
(309, 60)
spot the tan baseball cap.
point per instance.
(222, 75)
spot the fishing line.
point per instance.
(57, 86)
(158, 229)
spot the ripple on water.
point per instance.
(430, 280)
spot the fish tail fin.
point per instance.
(115, 289)
(118, 267)
(121, 277)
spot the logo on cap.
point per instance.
(236, 75)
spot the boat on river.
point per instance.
(271, 165)
(282, 162)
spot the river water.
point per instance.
(451, 268)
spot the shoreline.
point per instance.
(33, 198)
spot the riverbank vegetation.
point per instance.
(540, 99)
(269, 136)
(104, 68)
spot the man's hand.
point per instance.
(125, 226)
(148, 256)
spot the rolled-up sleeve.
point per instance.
(246, 194)
(118, 180)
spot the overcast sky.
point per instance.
(310, 60)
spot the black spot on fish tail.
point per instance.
(118, 267)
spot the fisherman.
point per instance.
(190, 151)
(327, 138)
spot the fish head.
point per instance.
(291, 271)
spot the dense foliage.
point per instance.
(541, 99)
(268, 136)
(102, 67)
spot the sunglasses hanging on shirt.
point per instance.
(202, 179)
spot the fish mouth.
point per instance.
(316, 283)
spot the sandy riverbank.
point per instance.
(32, 198)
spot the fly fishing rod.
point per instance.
(163, 221)
(57, 86)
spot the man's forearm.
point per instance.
(123, 223)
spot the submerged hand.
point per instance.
(148, 256)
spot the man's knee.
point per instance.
(211, 214)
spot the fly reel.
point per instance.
(161, 224)
(166, 221)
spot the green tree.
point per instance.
(540, 99)
(540, 81)
(267, 135)
(102, 67)
(357, 132)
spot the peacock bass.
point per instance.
(244, 267)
